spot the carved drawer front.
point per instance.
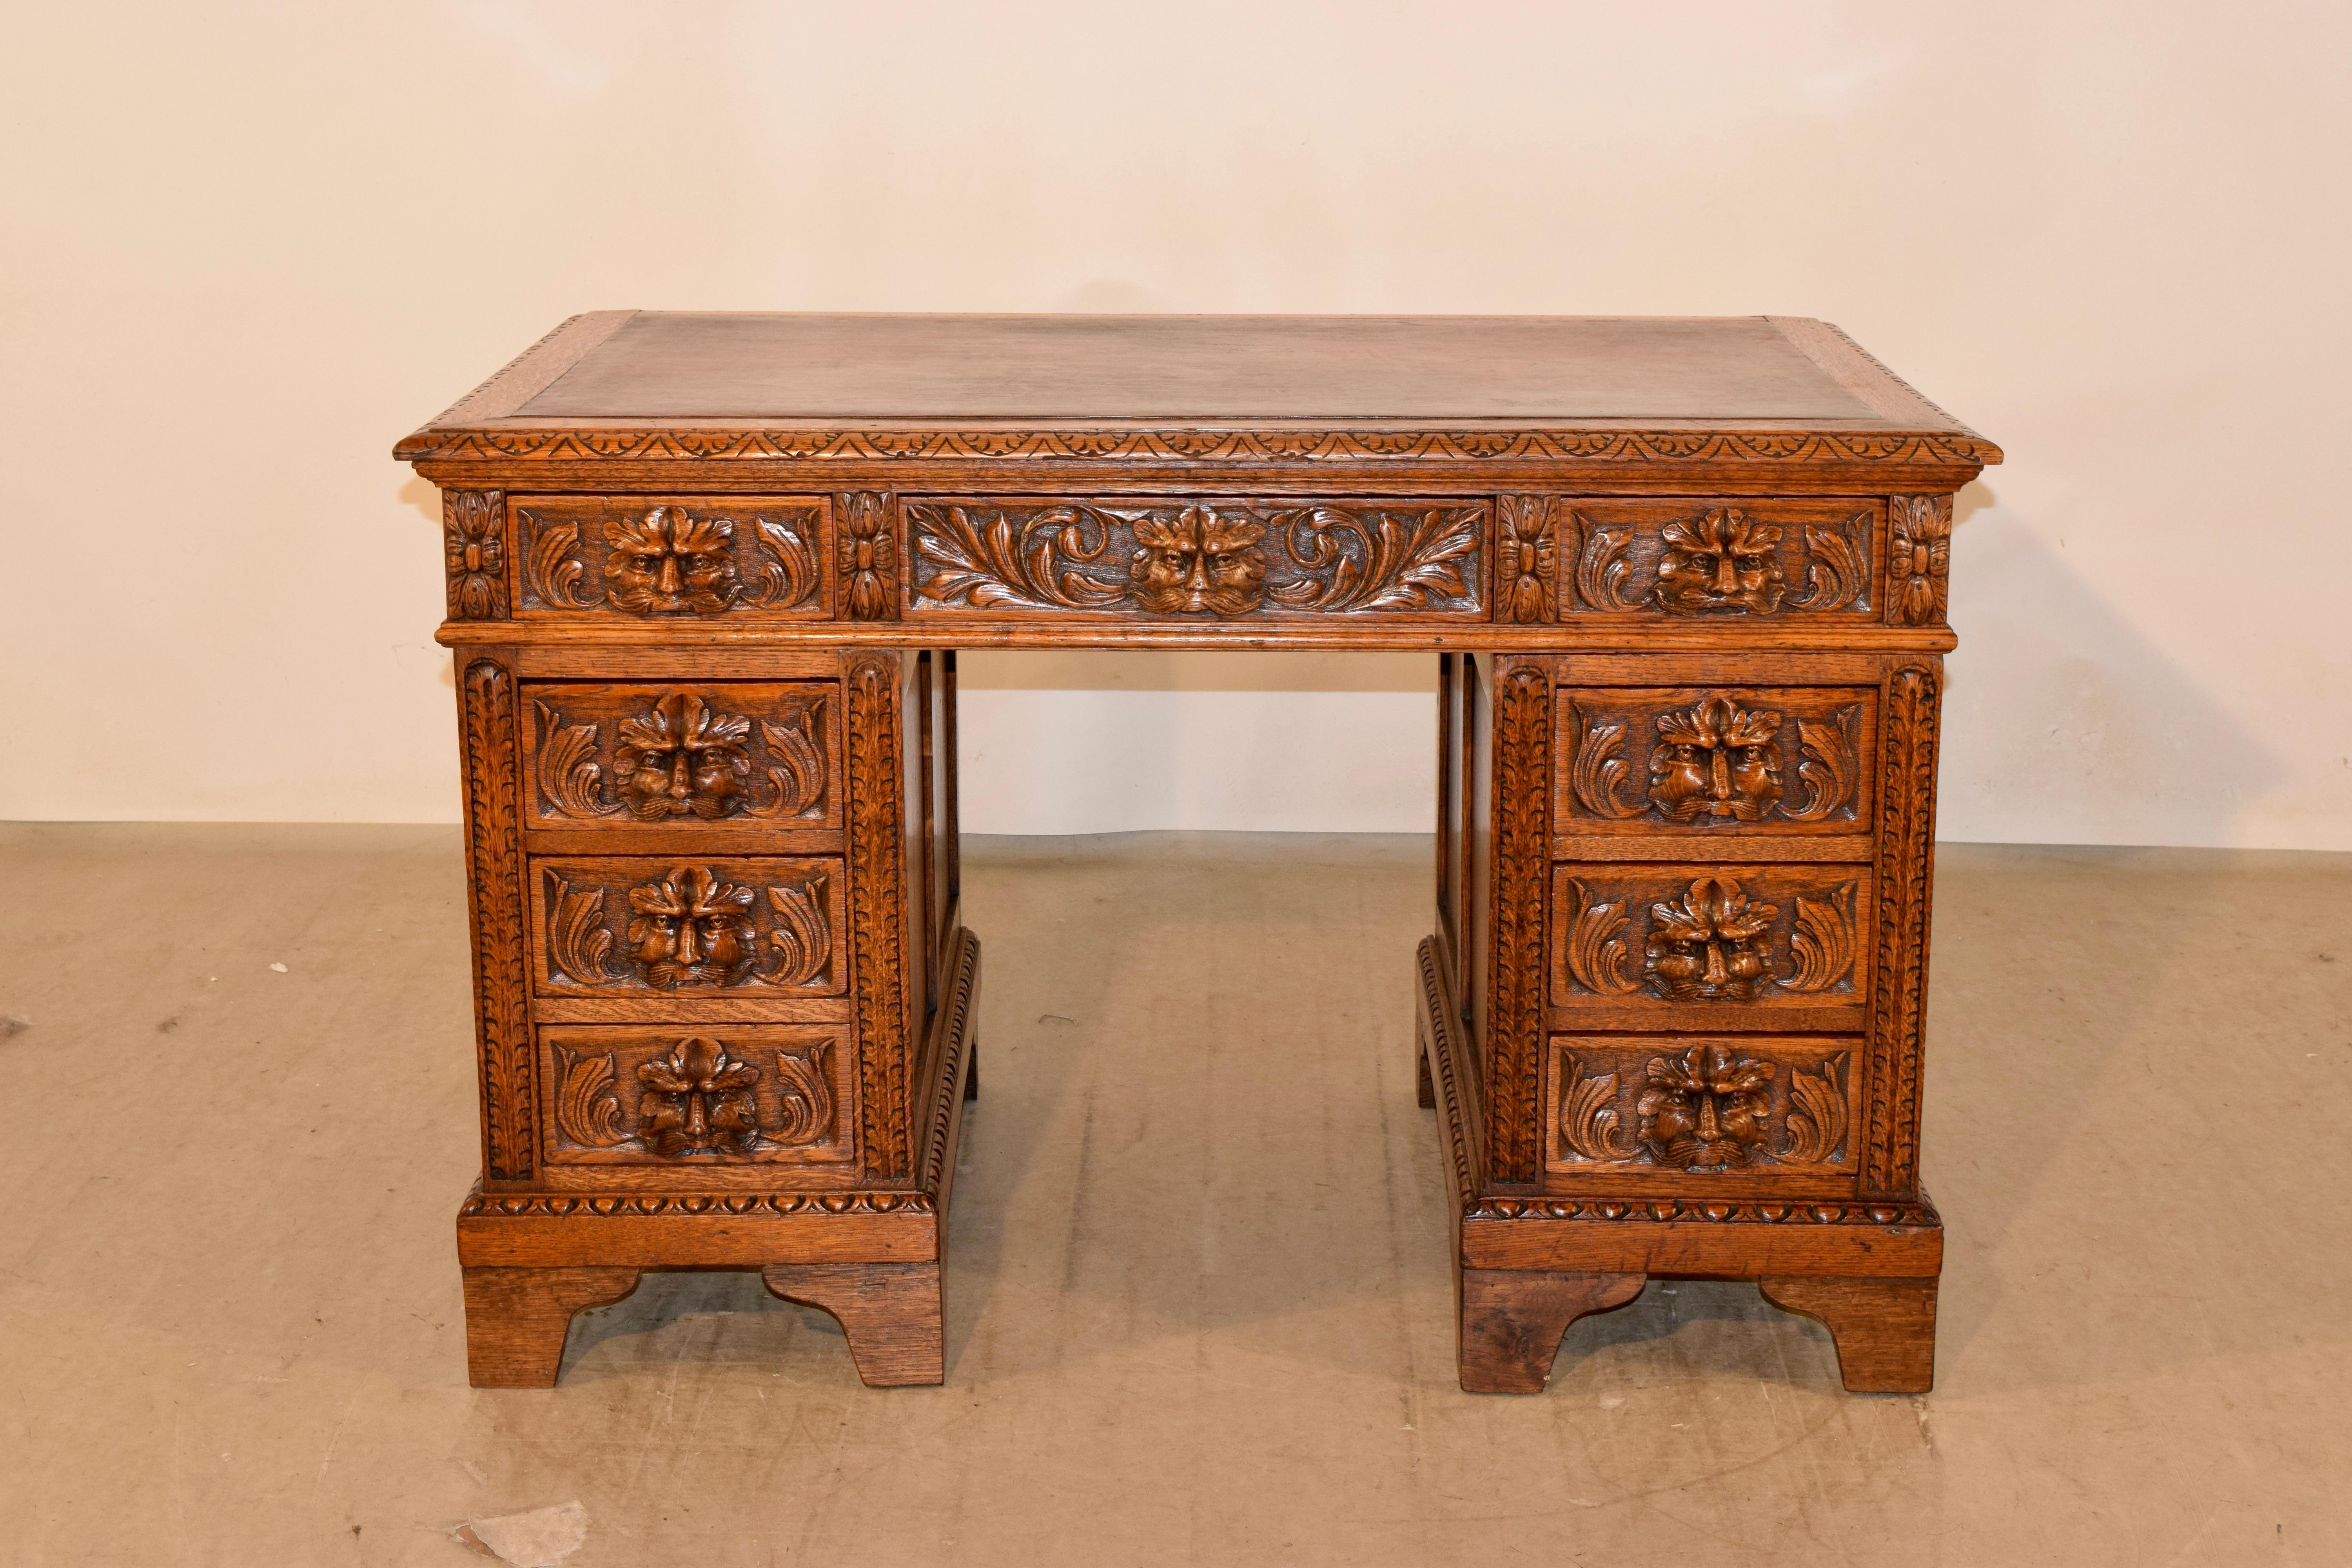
(682, 755)
(1199, 557)
(671, 558)
(695, 1096)
(741, 927)
(1710, 1110)
(1712, 947)
(1727, 558)
(1707, 762)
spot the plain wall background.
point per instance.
(248, 248)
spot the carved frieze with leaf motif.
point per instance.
(749, 926)
(1747, 558)
(622, 756)
(1212, 558)
(673, 558)
(1710, 1106)
(1741, 945)
(1715, 761)
(706, 1095)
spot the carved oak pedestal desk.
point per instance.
(1685, 580)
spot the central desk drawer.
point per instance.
(1199, 557)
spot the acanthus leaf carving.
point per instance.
(800, 942)
(1602, 571)
(1835, 573)
(1588, 1114)
(1918, 559)
(877, 884)
(578, 943)
(1516, 963)
(1823, 942)
(569, 779)
(1530, 559)
(508, 1091)
(1597, 953)
(788, 570)
(985, 560)
(1831, 768)
(1598, 770)
(555, 572)
(1817, 1122)
(1376, 561)
(804, 1096)
(1889, 1147)
(587, 1101)
(798, 777)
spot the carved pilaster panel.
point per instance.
(473, 549)
(1741, 558)
(1527, 559)
(493, 856)
(877, 902)
(754, 755)
(1722, 947)
(1709, 1106)
(1707, 762)
(1918, 560)
(1522, 844)
(696, 1096)
(1216, 558)
(673, 558)
(1906, 865)
(868, 556)
(742, 927)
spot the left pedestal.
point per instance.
(724, 999)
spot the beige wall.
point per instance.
(248, 248)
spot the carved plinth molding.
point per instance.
(1522, 846)
(1906, 845)
(494, 873)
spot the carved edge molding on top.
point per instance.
(1195, 446)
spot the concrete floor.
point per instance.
(1198, 1304)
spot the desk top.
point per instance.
(672, 370)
